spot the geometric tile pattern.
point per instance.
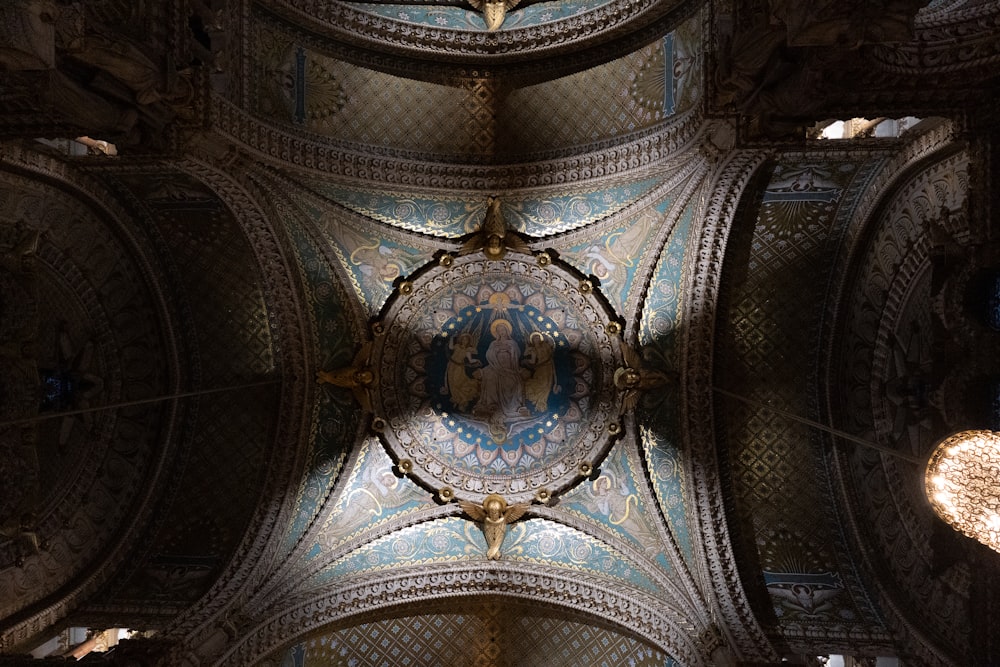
(333, 98)
(299, 86)
(590, 106)
(496, 635)
(766, 350)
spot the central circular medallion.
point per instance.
(496, 376)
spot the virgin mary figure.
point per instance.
(501, 395)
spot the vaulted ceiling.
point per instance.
(301, 186)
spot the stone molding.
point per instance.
(720, 576)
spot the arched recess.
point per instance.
(94, 329)
(502, 629)
(904, 360)
(384, 596)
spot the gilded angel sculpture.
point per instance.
(494, 12)
(358, 377)
(494, 514)
(493, 237)
(632, 379)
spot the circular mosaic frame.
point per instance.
(497, 376)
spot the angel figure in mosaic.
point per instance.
(494, 12)
(493, 237)
(539, 358)
(359, 377)
(494, 514)
(632, 379)
(463, 388)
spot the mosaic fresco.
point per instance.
(336, 419)
(464, 19)
(452, 216)
(612, 500)
(454, 539)
(494, 376)
(662, 309)
(614, 257)
(372, 496)
(372, 256)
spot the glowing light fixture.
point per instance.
(962, 482)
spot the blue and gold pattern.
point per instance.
(495, 376)
(500, 375)
(457, 18)
(454, 540)
(336, 419)
(613, 501)
(372, 496)
(614, 257)
(454, 216)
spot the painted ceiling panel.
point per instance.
(372, 496)
(661, 312)
(296, 85)
(454, 539)
(624, 96)
(614, 256)
(613, 502)
(336, 417)
(301, 87)
(372, 255)
(81, 327)
(452, 216)
(666, 471)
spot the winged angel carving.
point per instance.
(493, 237)
(494, 514)
(494, 12)
(632, 379)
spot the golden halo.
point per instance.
(496, 325)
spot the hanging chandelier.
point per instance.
(962, 482)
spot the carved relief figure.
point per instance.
(494, 515)
(463, 388)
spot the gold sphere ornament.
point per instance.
(586, 469)
(543, 496)
(586, 286)
(962, 482)
(614, 428)
(613, 328)
(405, 466)
(446, 260)
(446, 494)
(544, 259)
(378, 424)
(406, 288)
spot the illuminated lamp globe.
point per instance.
(962, 482)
